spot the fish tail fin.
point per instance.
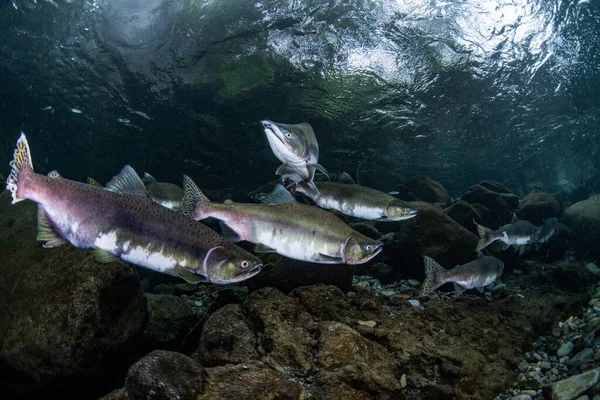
(433, 276)
(486, 236)
(192, 199)
(21, 164)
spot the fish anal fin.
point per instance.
(229, 233)
(46, 232)
(261, 248)
(104, 256)
(127, 181)
(147, 179)
(346, 178)
(514, 218)
(522, 250)
(480, 289)
(189, 276)
(458, 289)
(279, 195)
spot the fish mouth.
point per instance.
(250, 274)
(371, 255)
(272, 131)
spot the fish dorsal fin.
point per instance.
(480, 255)
(93, 182)
(54, 174)
(148, 178)
(345, 178)
(228, 201)
(279, 195)
(191, 197)
(514, 218)
(127, 181)
(45, 231)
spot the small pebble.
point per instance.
(565, 349)
(523, 366)
(370, 324)
(403, 380)
(521, 397)
(531, 393)
(537, 357)
(413, 283)
(197, 303)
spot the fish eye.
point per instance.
(244, 264)
(368, 247)
(288, 135)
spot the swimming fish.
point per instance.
(164, 193)
(284, 226)
(358, 201)
(124, 223)
(473, 275)
(297, 148)
(517, 233)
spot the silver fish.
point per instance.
(284, 226)
(473, 275)
(124, 223)
(164, 193)
(518, 233)
(358, 201)
(296, 147)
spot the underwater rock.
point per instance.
(430, 233)
(464, 213)
(164, 375)
(170, 319)
(429, 190)
(500, 202)
(226, 338)
(366, 229)
(64, 315)
(583, 219)
(286, 274)
(570, 388)
(537, 207)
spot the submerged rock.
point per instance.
(465, 213)
(500, 202)
(64, 315)
(583, 218)
(429, 190)
(164, 375)
(431, 233)
(170, 319)
(570, 388)
(537, 207)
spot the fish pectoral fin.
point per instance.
(93, 182)
(261, 248)
(522, 250)
(335, 259)
(46, 232)
(321, 169)
(279, 195)
(480, 289)
(480, 255)
(458, 289)
(346, 178)
(104, 256)
(189, 276)
(229, 233)
(127, 181)
(285, 170)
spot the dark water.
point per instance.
(459, 91)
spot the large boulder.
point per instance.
(170, 319)
(465, 213)
(64, 315)
(583, 219)
(431, 233)
(500, 202)
(429, 190)
(537, 207)
(164, 375)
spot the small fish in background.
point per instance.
(297, 148)
(473, 275)
(519, 233)
(349, 198)
(75, 110)
(122, 222)
(284, 226)
(164, 193)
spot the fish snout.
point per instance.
(266, 124)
